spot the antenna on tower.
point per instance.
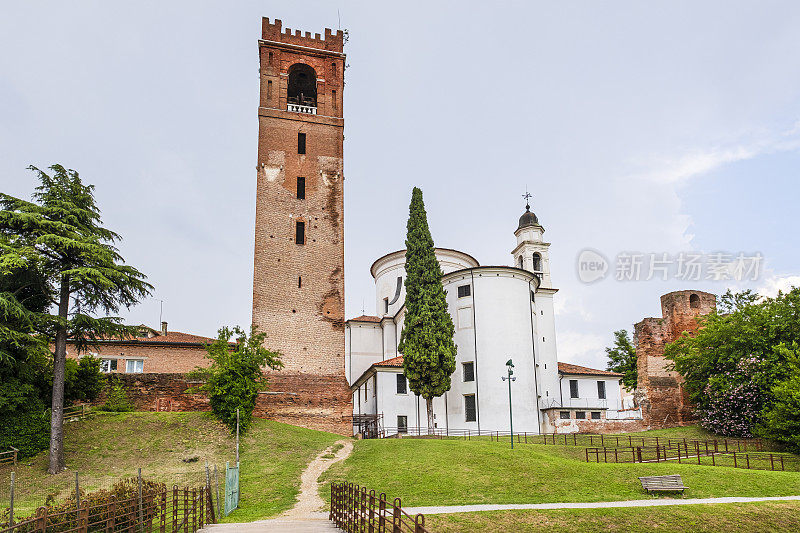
(339, 16)
(362, 307)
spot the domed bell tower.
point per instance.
(531, 252)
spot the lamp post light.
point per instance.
(510, 378)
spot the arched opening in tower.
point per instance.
(537, 262)
(302, 88)
(694, 301)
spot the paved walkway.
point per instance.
(446, 509)
(308, 514)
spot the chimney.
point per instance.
(163, 328)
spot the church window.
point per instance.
(537, 262)
(402, 424)
(469, 371)
(333, 98)
(573, 388)
(301, 143)
(519, 262)
(301, 188)
(469, 408)
(595, 415)
(564, 415)
(580, 415)
(401, 384)
(601, 390)
(694, 301)
(300, 232)
(464, 291)
(302, 88)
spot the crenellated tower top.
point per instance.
(273, 31)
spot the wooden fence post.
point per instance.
(419, 523)
(185, 510)
(174, 509)
(162, 522)
(382, 513)
(371, 519)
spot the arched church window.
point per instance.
(302, 89)
(694, 301)
(537, 262)
(519, 262)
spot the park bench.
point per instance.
(663, 483)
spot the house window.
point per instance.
(301, 188)
(564, 415)
(601, 390)
(464, 291)
(580, 415)
(134, 366)
(469, 408)
(108, 365)
(595, 415)
(300, 232)
(386, 306)
(402, 388)
(301, 143)
(573, 388)
(333, 98)
(402, 424)
(469, 371)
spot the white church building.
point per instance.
(499, 313)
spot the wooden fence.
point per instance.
(353, 509)
(695, 455)
(177, 511)
(9, 457)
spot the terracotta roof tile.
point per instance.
(393, 362)
(366, 318)
(567, 368)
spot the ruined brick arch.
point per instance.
(694, 301)
(302, 85)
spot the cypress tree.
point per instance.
(426, 342)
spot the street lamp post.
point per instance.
(510, 378)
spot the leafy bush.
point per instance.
(117, 400)
(782, 418)
(235, 376)
(27, 430)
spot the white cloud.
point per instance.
(778, 283)
(580, 347)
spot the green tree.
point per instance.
(236, 375)
(60, 233)
(732, 366)
(426, 342)
(781, 420)
(622, 358)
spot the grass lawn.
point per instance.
(272, 457)
(751, 517)
(450, 472)
(111, 446)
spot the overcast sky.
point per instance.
(638, 127)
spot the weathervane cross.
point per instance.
(527, 197)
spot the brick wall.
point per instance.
(312, 402)
(660, 392)
(554, 423)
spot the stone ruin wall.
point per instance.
(660, 392)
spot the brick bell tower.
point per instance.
(298, 281)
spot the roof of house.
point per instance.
(365, 318)
(567, 368)
(171, 338)
(393, 362)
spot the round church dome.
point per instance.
(528, 218)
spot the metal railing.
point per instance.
(353, 509)
(695, 454)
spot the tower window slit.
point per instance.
(269, 90)
(299, 282)
(333, 98)
(300, 232)
(301, 188)
(301, 143)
